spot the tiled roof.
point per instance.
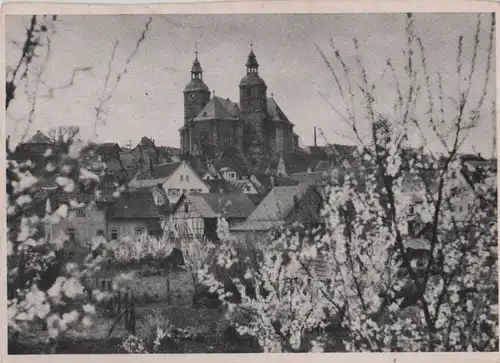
(274, 208)
(39, 138)
(137, 204)
(314, 178)
(232, 158)
(228, 205)
(159, 172)
(239, 185)
(275, 112)
(219, 186)
(256, 198)
(219, 108)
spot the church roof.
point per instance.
(219, 108)
(275, 112)
(39, 138)
(252, 79)
(196, 85)
(252, 60)
(196, 68)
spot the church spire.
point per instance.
(252, 64)
(196, 70)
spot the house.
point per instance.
(284, 205)
(141, 157)
(244, 186)
(36, 149)
(229, 173)
(160, 197)
(221, 186)
(176, 179)
(137, 212)
(196, 215)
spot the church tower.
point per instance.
(253, 104)
(196, 93)
(253, 95)
(196, 96)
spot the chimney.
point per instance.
(315, 144)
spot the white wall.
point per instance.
(183, 179)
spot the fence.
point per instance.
(118, 304)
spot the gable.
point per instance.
(180, 209)
(184, 177)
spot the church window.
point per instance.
(248, 92)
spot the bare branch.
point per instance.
(108, 94)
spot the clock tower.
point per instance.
(196, 96)
(196, 93)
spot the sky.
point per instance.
(148, 100)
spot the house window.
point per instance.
(139, 231)
(182, 177)
(71, 234)
(186, 208)
(114, 234)
(184, 191)
(248, 92)
(159, 200)
(80, 212)
(100, 233)
(187, 178)
(173, 192)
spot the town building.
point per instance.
(137, 212)
(176, 179)
(283, 206)
(195, 216)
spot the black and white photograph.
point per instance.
(251, 183)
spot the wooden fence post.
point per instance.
(132, 318)
(119, 301)
(169, 298)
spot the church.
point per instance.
(257, 126)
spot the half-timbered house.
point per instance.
(195, 216)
